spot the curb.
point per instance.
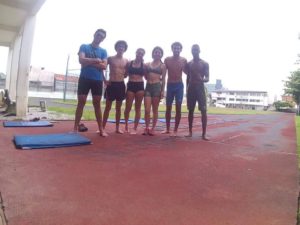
(2, 215)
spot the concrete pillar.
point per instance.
(8, 67)
(14, 67)
(24, 66)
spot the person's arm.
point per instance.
(185, 67)
(101, 65)
(206, 74)
(186, 71)
(126, 69)
(84, 61)
(95, 61)
(146, 70)
(163, 80)
(167, 71)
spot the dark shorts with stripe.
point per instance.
(115, 91)
(85, 85)
(196, 93)
(135, 86)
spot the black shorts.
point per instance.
(115, 91)
(85, 85)
(196, 93)
(135, 86)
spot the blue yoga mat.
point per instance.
(27, 124)
(50, 140)
(142, 121)
(121, 121)
(164, 120)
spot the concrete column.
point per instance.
(14, 67)
(24, 66)
(8, 68)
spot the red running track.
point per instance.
(246, 174)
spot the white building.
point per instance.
(256, 100)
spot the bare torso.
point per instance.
(156, 72)
(198, 71)
(117, 68)
(175, 66)
(136, 77)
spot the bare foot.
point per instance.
(133, 132)
(204, 138)
(174, 134)
(103, 134)
(190, 134)
(165, 132)
(151, 132)
(146, 131)
(118, 131)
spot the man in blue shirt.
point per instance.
(93, 60)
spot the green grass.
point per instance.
(214, 110)
(88, 114)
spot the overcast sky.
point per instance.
(249, 44)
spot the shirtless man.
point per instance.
(116, 87)
(175, 65)
(197, 74)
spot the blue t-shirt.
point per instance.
(91, 72)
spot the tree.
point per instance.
(283, 106)
(292, 87)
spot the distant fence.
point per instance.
(53, 89)
(60, 83)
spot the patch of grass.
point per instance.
(74, 102)
(88, 113)
(215, 110)
(162, 108)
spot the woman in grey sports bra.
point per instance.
(154, 92)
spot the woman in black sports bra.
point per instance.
(135, 88)
(154, 92)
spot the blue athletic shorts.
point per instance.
(174, 90)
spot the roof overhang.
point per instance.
(13, 14)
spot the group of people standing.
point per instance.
(94, 61)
